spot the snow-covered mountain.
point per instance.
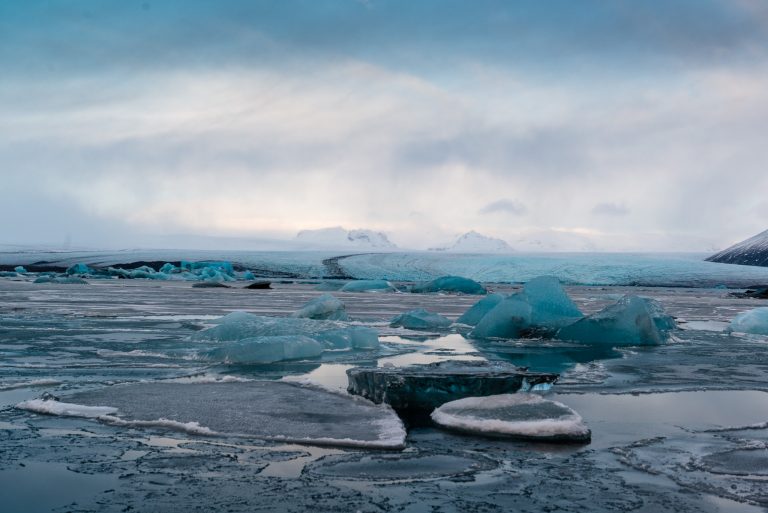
(339, 238)
(753, 251)
(473, 242)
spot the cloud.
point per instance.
(506, 206)
(610, 209)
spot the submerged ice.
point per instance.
(420, 319)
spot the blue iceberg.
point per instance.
(753, 321)
(477, 311)
(455, 284)
(266, 350)
(551, 308)
(353, 337)
(420, 319)
(368, 286)
(61, 280)
(511, 318)
(78, 269)
(633, 320)
(20, 269)
(325, 307)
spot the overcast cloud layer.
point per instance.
(633, 125)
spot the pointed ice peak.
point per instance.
(474, 242)
(338, 237)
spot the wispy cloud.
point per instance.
(505, 206)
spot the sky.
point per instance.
(603, 124)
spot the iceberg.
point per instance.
(511, 318)
(519, 416)
(420, 320)
(268, 410)
(78, 269)
(61, 280)
(325, 307)
(633, 320)
(8, 274)
(421, 388)
(477, 311)
(368, 286)
(551, 308)
(455, 284)
(330, 285)
(268, 349)
(241, 325)
(753, 321)
(20, 269)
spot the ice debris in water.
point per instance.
(752, 321)
(368, 286)
(421, 388)
(522, 416)
(62, 280)
(8, 274)
(456, 284)
(242, 325)
(539, 309)
(325, 307)
(268, 410)
(20, 269)
(330, 285)
(420, 319)
(633, 320)
(477, 311)
(266, 350)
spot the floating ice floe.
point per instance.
(330, 285)
(20, 269)
(269, 410)
(521, 416)
(421, 388)
(477, 311)
(368, 286)
(753, 321)
(325, 307)
(455, 284)
(540, 309)
(8, 274)
(269, 349)
(332, 334)
(633, 320)
(78, 269)
(420, 319)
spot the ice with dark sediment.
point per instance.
(422, 388)
(519, 416)
(331, 334)
(368, 286)
(268, 410)
(420, 319)
(325, 307)
(453, 284)
(633, 320)
(477, 311)
(268, 349)
(753, 321)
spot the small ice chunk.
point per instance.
(20, 269)
(420, 319)
(368, 286)
(752, 321)
(477, 311)
(266, 350)
(523, 416)
(633, 320)
(511, 318)
(456, 284)
(325, 307)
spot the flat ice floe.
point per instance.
(525, 416)
(266, 410)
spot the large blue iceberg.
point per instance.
(633, 320)
(477, 311)
(455, 284)
(420, 320)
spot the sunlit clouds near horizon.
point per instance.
(621, 125)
